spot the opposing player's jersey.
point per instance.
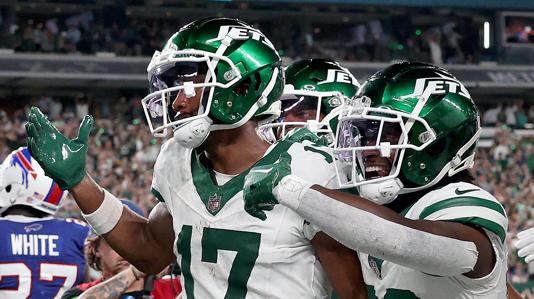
(222, 250)
(458, 202)
(40, 257)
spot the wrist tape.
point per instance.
(106, 217)
(290, 190)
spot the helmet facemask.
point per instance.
(185, 73)
(371, 144)
(306, 109)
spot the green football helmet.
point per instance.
(409, 126)
(223, 70)
(314, 88)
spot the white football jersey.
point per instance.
(223, 251)
(458, 202)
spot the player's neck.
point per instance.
(234, 151)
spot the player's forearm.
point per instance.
(360, 229)
(111, 288)
(88, 195)
(123, 229)
(145, 243)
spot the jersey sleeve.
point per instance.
(470, 205)
(313, 163)
(158, 177)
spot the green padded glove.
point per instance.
(61, 158)
(300, 134)
(259, 185)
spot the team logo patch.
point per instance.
(214, 203)
(33, 227)
(376, 265)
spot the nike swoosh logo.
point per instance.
(460, 192)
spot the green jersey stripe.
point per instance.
(487, 224)
(465, 201)
(157, 194)
(478, 216)
(472, 211)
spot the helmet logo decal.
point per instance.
(308, 87)
(241, 33)
(22, 159)
(429, 86)
(339, 76)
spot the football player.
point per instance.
(314, 89)
(424, 230)
(40, 257)
(210, 85)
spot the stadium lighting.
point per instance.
(486, 35)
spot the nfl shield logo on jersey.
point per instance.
(214, 203)
(376, 265)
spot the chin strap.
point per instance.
(382, 192)
(194, 133)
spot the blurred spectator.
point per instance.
(433, 41)
(510, 111)
(491, 116)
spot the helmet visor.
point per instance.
(304, 109)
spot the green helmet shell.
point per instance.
(433, 94)
(249, 50)
(322, 75)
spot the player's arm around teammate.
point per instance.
(146, 243)
(372, 228)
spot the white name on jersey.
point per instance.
(23, 244)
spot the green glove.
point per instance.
(300, 134)
(259, 185)
(61, 158)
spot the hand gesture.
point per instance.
(61, 158)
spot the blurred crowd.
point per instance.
(377, 40)
(122, 153)
(122, 150)
(386, 40)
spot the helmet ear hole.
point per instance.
(242, 88)
(8, 188)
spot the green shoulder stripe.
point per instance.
(326, 156)
(462, 201)
(157, 194)
(485, 223)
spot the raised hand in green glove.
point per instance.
(61, 158)
(259, 185)
(300, 134)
